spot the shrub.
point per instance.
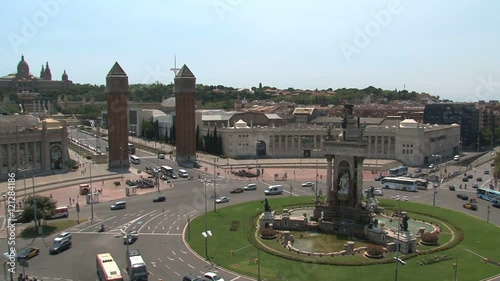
(267, 233)
(429, 237)
(374, 250)
(434, 259)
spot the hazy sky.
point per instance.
(445, 48)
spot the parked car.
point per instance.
(463, 196)
(479, 179)
(250, 186)
(470, 206)
(192, 277)
(451, 188)
(60, 246)
(236, 190)
(28, 253)
(63, 236)
(159, 199)
(222, 199)
(308, 184)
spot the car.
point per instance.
(308, 184)
(463, 196)
(465, 179)
(130, 237)
(192, 277)
(470, 206)
(63, 236)
(470, 176)
(418, 171)
(479, 179)
(451, 188)
(118, 205)
(379, 178)
(475, 185)
(28, 253)
(165, 177)
(222, 199)
(211, 276)
(431, 166)
(172, 175)
(60, 246)
(250, 186)
(161, 155)
(496, 205)
(159, 199)
(487, 172)
(236, 190)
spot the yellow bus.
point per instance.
(107, 269)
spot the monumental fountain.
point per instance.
(346, 211)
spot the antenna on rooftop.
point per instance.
(175, 69)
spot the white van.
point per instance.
(183, 173)
(274, 190)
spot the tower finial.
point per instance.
(175, 69)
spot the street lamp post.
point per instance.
(34, 201)
(434, 197)
(207, 232)
(233, 252)
(456, 260)
(397, 242)
(488, 213)
(215, 184)
(7, 266)
(91, 194)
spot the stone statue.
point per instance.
(267, 208)
(344, 183)
(405, 222)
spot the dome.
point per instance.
(408, 123)
(23, 69)
(240, 124)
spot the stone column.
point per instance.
(9, 158)
(329, 183)
(18, 156)
(1, 160)
(359, 180)
(34, 107)
(26, 153)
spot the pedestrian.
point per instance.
(51, 196)
(70, 201)
(102, 182)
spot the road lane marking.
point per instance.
(153, 263)
(170, 259)
(149, 221)
(167, 266)
(191, 266)
(125, 215)
(181, 260)
(177, 273)
(174, 253)
(235, 278)
(183, 252)
(160, 260)
(101, 222)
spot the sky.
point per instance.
(444, 48)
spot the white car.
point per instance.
(212, 276)
(250, 186)
(308, 184)
(221, 200)
(63, 236)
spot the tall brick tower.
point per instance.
(185, 131)
(117, 93)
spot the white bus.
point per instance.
(107, 269)
(421, 183)
(167, 170)
(404, 184)
(60, 212)
(398, 171)
(135, 159)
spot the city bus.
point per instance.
(107, 269)
(404, 184)
(60, 212)
(421, 183)
(488, 194)
(167, 170)
(398, 171)
(135, 159)
(131, 148)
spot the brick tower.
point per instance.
(185, 131)
(117, 93)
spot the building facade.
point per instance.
(464, 114)
(24, 81)
(407, 141)
(26, 143)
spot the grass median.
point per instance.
(232, 228)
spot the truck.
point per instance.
(136, 267)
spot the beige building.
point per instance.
(407, 141)
(26, 141)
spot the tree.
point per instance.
(172, 134)
(260, 85)
(198, 144)
(45, 207)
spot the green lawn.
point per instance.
(479, 237)
(49, 228)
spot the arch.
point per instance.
(56, 157)
(260, 148)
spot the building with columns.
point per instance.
(26, 143)
(407, 141)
